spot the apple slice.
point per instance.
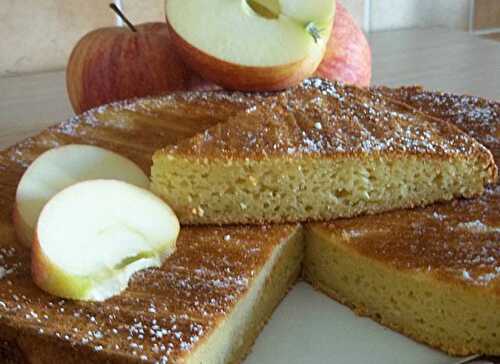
(251, 45)
(59, 168)
(92, 236)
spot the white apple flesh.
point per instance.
(231, 44)
(59, 168)
(93, 236)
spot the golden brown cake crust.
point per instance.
(476, 116)
(197, 291)
(328, 119)
(135, 128)
(458, 241)
(164, 312)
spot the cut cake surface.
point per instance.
(205, 305)
(319, 151)
(431, 273)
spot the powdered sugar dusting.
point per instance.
(321, 117)
(478, 117)
(135, 128)
(164, 313)
(477, 226)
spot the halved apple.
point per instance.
(59, 168)
(92, 236)
(251, 45)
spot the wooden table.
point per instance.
(436, 58)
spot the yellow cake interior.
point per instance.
(447, 314)
(318, 152)
(232, 340)
(287, 189)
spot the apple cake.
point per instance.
(205, 305)
(431, 273)
(447, 253)
(205, 291)
(316, 152)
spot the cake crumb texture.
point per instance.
(273, 163)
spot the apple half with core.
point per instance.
(59, 168)
(251, 45)
(93, 236)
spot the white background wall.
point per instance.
(38, 35)
(379, 15)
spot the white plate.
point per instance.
(309, 327)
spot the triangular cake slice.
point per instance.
(319, 151)
(206, 304)
(431, 273)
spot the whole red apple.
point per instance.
(117, 63)
(348, 56)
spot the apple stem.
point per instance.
(314, 31)
(118, 12)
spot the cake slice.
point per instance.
(431, 273)
(319, 151)
(206, 304)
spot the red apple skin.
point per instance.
(115, 63)
(348, 56)
(242, 78)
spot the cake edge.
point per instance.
(283, 272)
